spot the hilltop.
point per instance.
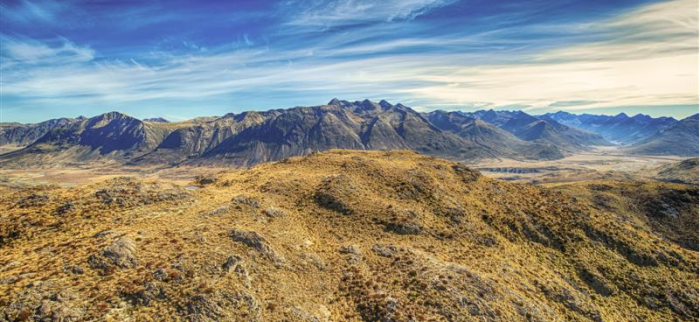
(349, 236)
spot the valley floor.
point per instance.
(601, 163)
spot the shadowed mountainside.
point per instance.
(679, 139)
(25, 134)
(529, 128)
(111, 135)
(492, 136)
(252, 137)
(349, 236)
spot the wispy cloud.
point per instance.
(647, 56)
(22, 51)
(32, 11)
(336, 13)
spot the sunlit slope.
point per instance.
(339, 236)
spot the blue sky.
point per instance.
(180, 59)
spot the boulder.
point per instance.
(120, 254)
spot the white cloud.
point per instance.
(345, 12)
(20, 51)
(649, 58)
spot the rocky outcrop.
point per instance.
(120, 254)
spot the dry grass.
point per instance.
(341, 236)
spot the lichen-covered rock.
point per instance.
(257, 242)
(43, 303)
(120, 254)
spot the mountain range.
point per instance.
(530, 128)
(619, 129)
(252, 137)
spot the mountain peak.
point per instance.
(338, 102)
(368, 105)
(561, 113)
(641, 116)
(113, 116)
(157, 120)
(385, 105)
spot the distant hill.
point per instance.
(492, 136)
(18, 134)
(113, 135)
(529, 128)
(685, 171)
(679, 139)
(620, 129)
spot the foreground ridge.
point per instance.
(349, 236)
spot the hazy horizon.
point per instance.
(180, 60)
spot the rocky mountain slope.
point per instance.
(620, 129)
(252, 137)
(340, 124)
(110, 135)
(349, 236)
(18, 134)
(679, 139)
(493, 136)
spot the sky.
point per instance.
(180, 59)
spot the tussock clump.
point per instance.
(337, 193)
(467, 175)
(32, 200)
(203, 180)
(256, 241)
(274, 212)
(127, 192)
